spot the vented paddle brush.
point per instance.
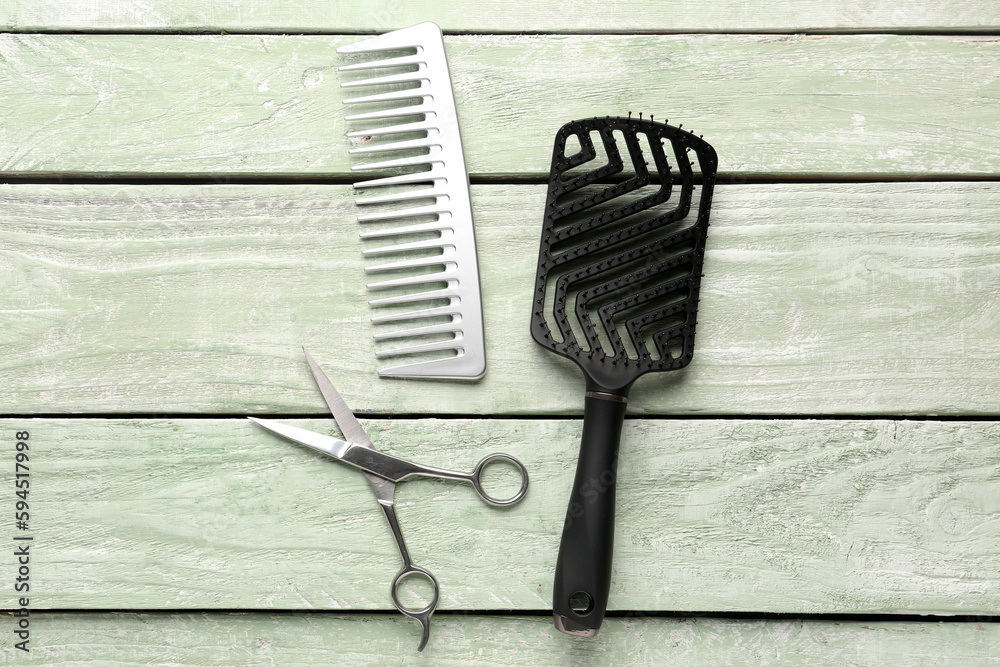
(616, 292)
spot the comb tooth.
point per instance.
(447, 327)
(414, 349)
(432, 226)
(435, 173)
(419, 262)
(445, 293)
(423, 142)
(392, 96)
(405, 213)
(400, 162)
(452, 310)
(404, 247)
(424, 193)
(403, 77)
(395, 129)
(423, 278)
(414, 36)
(412, 110)
(402, 61)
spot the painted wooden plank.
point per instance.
(498, 16)
(782, 516)
(215, 639)
(252, 105)
(819, 299)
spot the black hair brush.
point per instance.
(619, 269)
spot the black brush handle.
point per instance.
(583, 567)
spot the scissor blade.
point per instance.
(321, 443)
(345, 418)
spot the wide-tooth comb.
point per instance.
(441, 147)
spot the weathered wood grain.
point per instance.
(819, 299)
(252, 105)
(214, 639)
(784, 516)
(498, 16)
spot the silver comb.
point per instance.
(456, 264)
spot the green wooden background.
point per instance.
(819, 486)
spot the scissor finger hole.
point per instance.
(415, 591)
(502, 479)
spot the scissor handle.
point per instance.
(476, 478)
(423, 616)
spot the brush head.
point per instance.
(432, 319)
(620, 260)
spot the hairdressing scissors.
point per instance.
(383, 472)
